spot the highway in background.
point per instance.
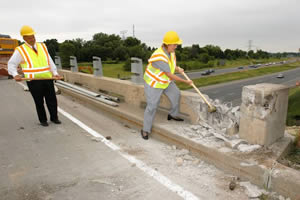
(232, 91)
(199, 74)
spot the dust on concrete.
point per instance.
(37, 191)
(218, 129)
(194, 168)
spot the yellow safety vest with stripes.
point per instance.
(36, 64)
(155, 77)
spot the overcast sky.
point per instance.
(272, 25)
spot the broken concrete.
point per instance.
(263, 113)
(226, 118)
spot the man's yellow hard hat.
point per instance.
(171, 37)
(26, 30)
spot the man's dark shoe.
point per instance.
(175, 118)
(56, 121)
(44, 123)
(144, 135)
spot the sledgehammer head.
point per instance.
(212, 109)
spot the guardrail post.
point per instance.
(73, 63)
(97, 65)
(58, 62)
(137, 70)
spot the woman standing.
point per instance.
(159, 78)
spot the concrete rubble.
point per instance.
(219, 128)
(184, 159)
(259, 113)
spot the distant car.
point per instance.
(211, 70)
(240, 67)
(206, 72)
(280, 75)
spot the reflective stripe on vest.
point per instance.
(155, 77)
(36, 64)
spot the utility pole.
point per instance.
(123, 34)
(249, 45)
(133, 31)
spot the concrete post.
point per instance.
(263, 113)
(137, 70)
(58, 62)
(73, 63)
(97, 65)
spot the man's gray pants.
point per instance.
(153, 98)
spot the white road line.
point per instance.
(141, 165)
(24, 86)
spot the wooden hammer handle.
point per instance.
(197, 90)
(36, 79)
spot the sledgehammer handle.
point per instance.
(37, 79)
(198, 91)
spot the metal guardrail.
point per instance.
(98, 97)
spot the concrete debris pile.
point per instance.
(211, 137)
(225, 119)
(217, 129)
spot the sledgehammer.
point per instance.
(211, 108)
(35, 79)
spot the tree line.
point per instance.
(112, 49)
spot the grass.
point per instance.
(293, 106)
(110, 70)
(293, 157)
(211, 80)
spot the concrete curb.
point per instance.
(281, 179)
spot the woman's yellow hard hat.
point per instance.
(171, 37)
(26, 30)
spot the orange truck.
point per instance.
(7, 47)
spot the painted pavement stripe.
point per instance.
(141, 165)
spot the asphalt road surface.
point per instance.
(198, 74)
(232, 91)
(72, 162)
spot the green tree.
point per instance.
(121, 53)
(52, 46)
(250, 54)
(195, 51)
(229, 54)
(66, 49)
(204, 57)
(214, 51)
(131, 41)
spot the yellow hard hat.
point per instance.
(171, 37)
(26, 30)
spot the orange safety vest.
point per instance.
(36, 64)
(155, 77)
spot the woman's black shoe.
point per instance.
(145, 137)
(175, 118)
